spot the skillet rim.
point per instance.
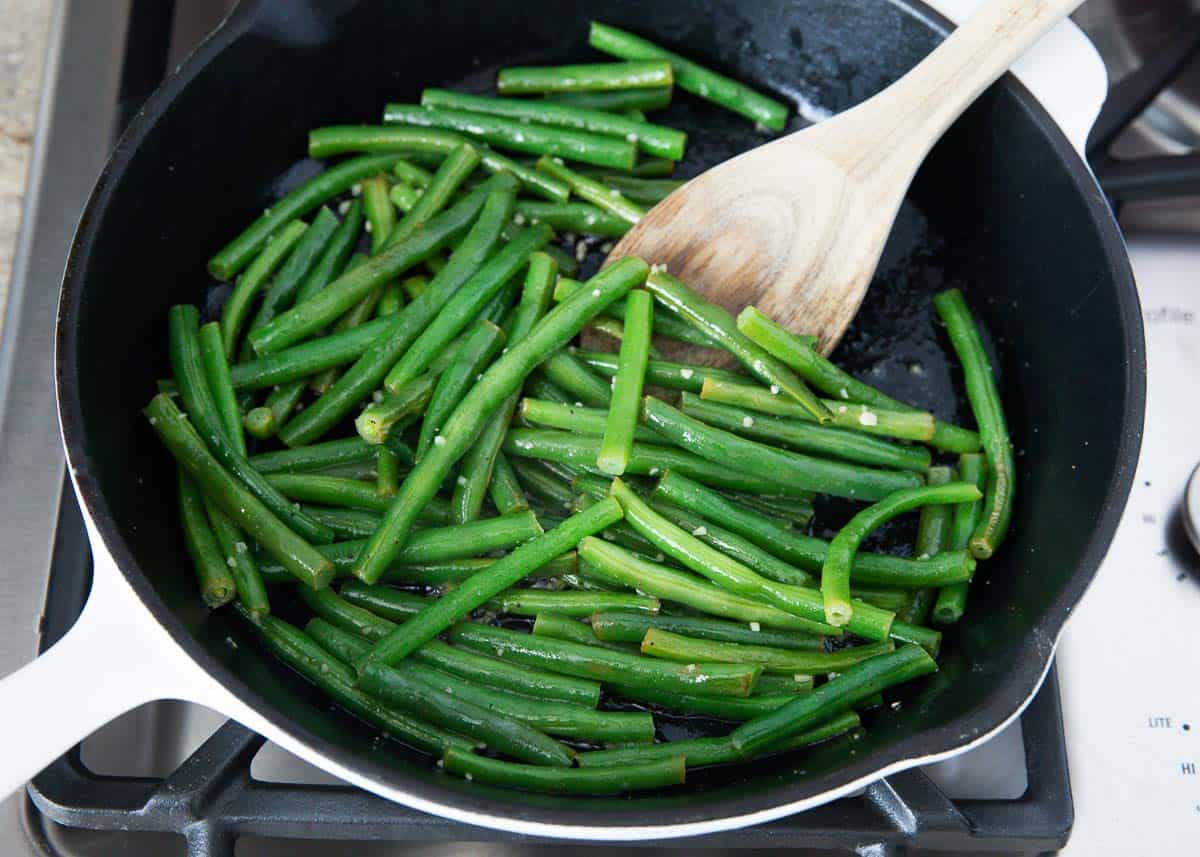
(1020, 684)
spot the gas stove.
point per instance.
(1116, 759)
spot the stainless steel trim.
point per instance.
(74, 133)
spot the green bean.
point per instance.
(561, 627)
(615, 100)
(517, 136)
(367, 373)
(792, 471)
(835, 572)
(592, 77)
(466, 303)
(535, 778)
(237, 253)
(886, 598)
(659, 643)
(391, 301)
(786, 512)
(216, 374)
(402, 688)
(988, 409)
(324, 307)
(394, 604)
(807, 552)
(646, 459)
(202, 411)
(617, 444)
(661, 373)
(700, 752)
(506, 493)
(345, 523)
(932, 538)
(249, 284)
(607, 665)
(304, 258)
(734, 546)
(642, 191)
(404, 196)
(632, 627)
(479, 347)
(553, 718)
(300, 361)
(460, 662)
(556, 718)
(260, 422)
(664, 325)
(387, 477)
(589, 421)
(652, 139)
(244, 508)
(381, 214)
(952, 599)
(457, 541)
(780, 684)
(907, 425)
(716, 323)
(395, 411)
(592, 191)
(496, 578)
(450, 175)
(458, 570)
(576, 380)
(500, 382)
(412, 174)
(329, 491)
(692, 76)
(354, 317)
(213, 576)
(343, 138)
(480, 459)
(573, 217)
(545, 487)
(832, 698)
(614, 564)
(530, 602)
(336, 679)
(815, 369)
(251, 592)
(722, 570)
(807, 437)
(348, 451)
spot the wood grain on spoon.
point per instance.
(796, 226)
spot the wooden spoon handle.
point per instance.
(901, 123)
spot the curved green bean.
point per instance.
(952, 599)
(835, 572)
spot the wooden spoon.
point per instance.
(796, 226)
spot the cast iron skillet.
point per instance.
(1004, 208)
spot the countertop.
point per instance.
(22, 55)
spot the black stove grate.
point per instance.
(211, 799)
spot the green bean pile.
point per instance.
(431, 452)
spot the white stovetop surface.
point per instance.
(1130, 657)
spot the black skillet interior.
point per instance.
(1002, 208)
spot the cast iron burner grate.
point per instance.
(211, 799)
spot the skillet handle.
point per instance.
(113, 659)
